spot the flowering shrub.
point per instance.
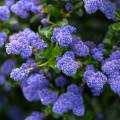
(60, 59)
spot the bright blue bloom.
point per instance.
(75, 89)
(36, 116)
(38, 80)
(80, 48)
(114, 82)
(90, 44)
(19, 73)
(69, 101)
(114, 55)
(61, 81)
(23, 42)
(33, 85)
(67, 64)
(20, 9)
(64, 103)
(4, 13)
(30, 92)
(2, 79)
(69, 6)
(111, 66)
(47, 96)
(9, 2)
(3, 38)
(7, 66)
(107, 7)
(95, 80)
(78, 106)
(63, 35)
(98, 52)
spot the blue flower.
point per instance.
(23, 43)
(61, 81)
(19, 73)
(3, 38)
(7, 66)
(47, 96)
(2, 79)
(69, 6)
(36, 116)
(63, 35)
(80, 48)
(4, 13)
(95, 80)
(114, 82)
(107, 7)
(67, 64)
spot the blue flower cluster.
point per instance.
(38, 76)
(71, 100)
(36, 116)
(107, 7)
(22, 7)
(67, 63)
(63, 35)
(80, 48)
(95, 80)
(6, 69)
(3, 38)
(111, 68)
(98, 53)
(23, 42)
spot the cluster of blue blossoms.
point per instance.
(35, 84)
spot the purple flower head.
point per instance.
(47, 96)
(91, 6)
(63, 35)
(20, 9)
(7, 66)
(61, 81)
(69, 6)
(3, 38)
(97, 53)
(75, 89)
(23, 43)
(9, 2)
(69, 101)
(80, 48)
(78, 106)
(114, 82)
(33, 85)
(2, 79)
(4, 13)
(107, 7)
(114, 55)
(30, 92)
(111, 66)
(95, 80)
(36, 116)
(19, 73)
(38, 80)
(90, 44)
(64, 103)
(67, 64)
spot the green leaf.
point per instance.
(45, 32)
(116, 26)
(53, 11)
